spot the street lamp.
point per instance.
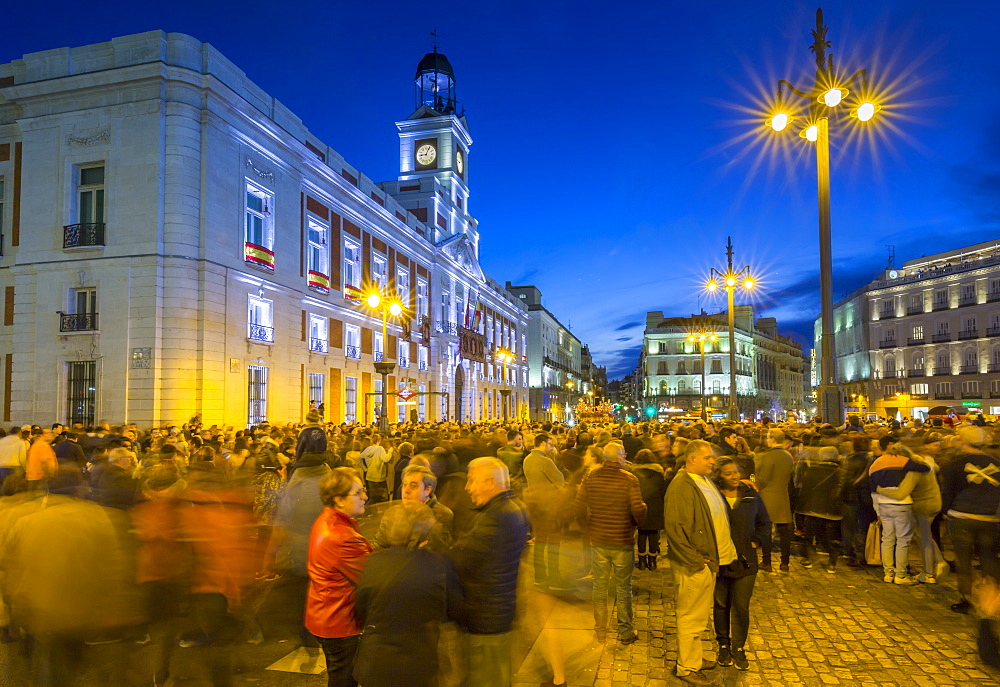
(386, 307)
(506, 357)
(730, 280)
(701, 338)
(827, 93)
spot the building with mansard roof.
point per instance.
(175, 242)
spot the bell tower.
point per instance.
(434, 145)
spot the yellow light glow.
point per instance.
(811, 133)
(866, 111)
(692, 338)
(395, 309)
(373, 300)
(779, 121)
(712, 285)
(748, 284)
(833, 96)
(730, 281)
(713, 337)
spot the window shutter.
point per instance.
(336, 333)
(366, 340)
(305, 326)
(8, 306)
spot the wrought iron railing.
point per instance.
(83, 322)
(941, 338)
(83, 235)
(318, 345)
(968, 370)
(258, 332)
(422, 365)
(352, 351)
(966, 334)
(914, 340)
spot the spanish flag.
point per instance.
(320, 281)
(258, 255)
(479, 314)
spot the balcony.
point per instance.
(966, 301)
(403, 362)
(422, 365)
(918, 372)
(914, 341)
(448, 328)
(939, 370)
(941, 338)
(378, 357)
(993, 297)
(86, 235)
(968, 334)
(993, 331)
(318, 345)
(888, 374)
(968, 370)
(258, 332)
(919, 397)
(352, 352)
(944, 397)
(888, 315)
(85, 322)
(971, 395)
(915, 310)
(941, 306)
(994, 367)
(887, 343)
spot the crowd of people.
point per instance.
(396, 544)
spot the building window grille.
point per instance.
(259, 228)
(81, 392)
(257, 394)
(352, 341)
(316, 389)
(260, 325)
(350, 398)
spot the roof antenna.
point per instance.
(434, 40)
(892, 255)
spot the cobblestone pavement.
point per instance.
(810, 627)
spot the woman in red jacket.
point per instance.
(337, 554)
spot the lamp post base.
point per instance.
(505, 394)
(384, 369)
(831, 404)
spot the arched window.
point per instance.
(889, 365)
(716, 387)
(697, 386)
(681, 386)
(918, 361)
(663, 388)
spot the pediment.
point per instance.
(459, 249)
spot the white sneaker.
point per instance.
(904, 580)
(888, 578)
(929, 579)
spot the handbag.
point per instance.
(873, 544)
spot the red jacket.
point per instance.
(337, 555)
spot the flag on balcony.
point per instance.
(479, 314)
(258, 255)
(319, 281)
(352, 293)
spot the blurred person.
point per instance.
(405, 456)
(68, 452)
(487, 558)
(970, 497)
(13, 453)
(512, 454)
(312, 437)
(895, 508)
(42, 462)
(774, 467)
(856, 501)
(653, 486)
(699, 542)
(418, 487)
(610, 501)
(337, 554)
(750, 528)
(406, 590)
(116, 487)
(374, 462)
(819, 480)
(544, 491)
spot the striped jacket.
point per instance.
(610, 502)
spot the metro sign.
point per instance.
(406, 393)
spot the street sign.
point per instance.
(971, 404)
(406, 393)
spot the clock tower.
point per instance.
(434, 146)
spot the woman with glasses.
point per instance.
(337, 555)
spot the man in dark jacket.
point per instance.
(116, 488)
(970, 497)
(610, 501)
(487, 558)
(312, 437)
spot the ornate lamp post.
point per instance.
(386, 307)
(730, 280)
(827, 92)
(700, 338)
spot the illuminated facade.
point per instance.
(176, 243)
(770, 368)
(924, 335)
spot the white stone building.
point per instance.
(929, 333)
(175, 242)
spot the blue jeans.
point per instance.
(487, 660)
(897, 531)
(620, 561)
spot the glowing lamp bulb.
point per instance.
(833, 97)
(730, 281)
(373, 300)
(748, 284)
(779, 121)
(395, 309)
(866, 111)
(713, 338)
(712, 285)
(811, 134)
(692, 338)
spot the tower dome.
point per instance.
(435, 84)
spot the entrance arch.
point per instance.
(459, 393)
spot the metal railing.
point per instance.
(942, 370)
(84, 235)
(352, 351)
(318, 345)
(993, 296)
(914, 310)
(968, 370)
(889, 374)
(944, 397)
(887, 343)
(914, 341)
(965, 301)
(84, 322)
(887, 315)
(258, 332)
(972, 394)
(941, 338)
(917, 372)
(379, 358)
(993, 331)
(447, 328)
(994, 367)
(968, 334)
(403, 362)
(941, 306)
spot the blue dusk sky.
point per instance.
(616, 146)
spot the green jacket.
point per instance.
(687, 522)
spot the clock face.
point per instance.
(426, 154)
(460, 162)
(893, 274)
